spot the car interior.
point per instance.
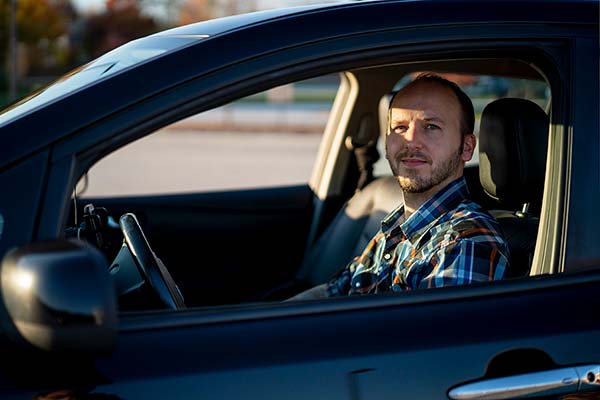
(267, 244)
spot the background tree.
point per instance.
(39, 23)
(195, 10)
(37, 20)
(121, 22)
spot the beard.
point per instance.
(411, 182)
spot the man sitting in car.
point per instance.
(438, 237)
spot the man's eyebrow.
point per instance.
(433, 119)
(398, 120)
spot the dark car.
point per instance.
(179, 293)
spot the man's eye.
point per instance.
(399, 129)
(432, 127)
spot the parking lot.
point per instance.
(231, 147)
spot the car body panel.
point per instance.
(330, 350)
(582, 248)
(416, 345)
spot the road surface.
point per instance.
(176, 161)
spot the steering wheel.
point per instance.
(151, 268)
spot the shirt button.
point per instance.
(387, 256)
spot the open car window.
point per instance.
(271, 183)
(268, 139)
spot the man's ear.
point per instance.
(469, 143)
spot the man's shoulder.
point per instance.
(470, 221)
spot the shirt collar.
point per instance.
(443, 201)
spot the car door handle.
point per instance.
(545, 383)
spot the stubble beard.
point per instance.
(411, 182)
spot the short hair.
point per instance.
(467, 120)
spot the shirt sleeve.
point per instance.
(341, 283)
(460, 263)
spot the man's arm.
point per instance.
(339, 285)
(317, 292)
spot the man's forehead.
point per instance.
(398, 113)
(430, 98)
(423, 90)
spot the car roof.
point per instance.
(275, 28)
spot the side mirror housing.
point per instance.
(59, 297)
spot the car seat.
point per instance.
(513, 144)
(350, 230)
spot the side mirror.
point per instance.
(59, 297)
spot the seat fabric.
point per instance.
(351, 230)
(513, 142)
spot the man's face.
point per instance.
(424, 145)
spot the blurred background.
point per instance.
(43, 39)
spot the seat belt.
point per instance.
(363, 145)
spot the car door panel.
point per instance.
(413, 345)
(224, 247)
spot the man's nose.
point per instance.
(412, 136)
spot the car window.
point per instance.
(264, 140)
(482, 89)
(268, 140)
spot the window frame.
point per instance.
(126, 127)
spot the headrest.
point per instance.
(513, 142)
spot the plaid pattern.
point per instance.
(449, 240)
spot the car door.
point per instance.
(421, 344)
(418, 346)
(514, 337)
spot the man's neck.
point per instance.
(412, 201)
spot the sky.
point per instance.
(89, 5)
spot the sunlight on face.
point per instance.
(424, 146)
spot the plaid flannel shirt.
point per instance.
(449, 240)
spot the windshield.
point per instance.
(111, 63)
